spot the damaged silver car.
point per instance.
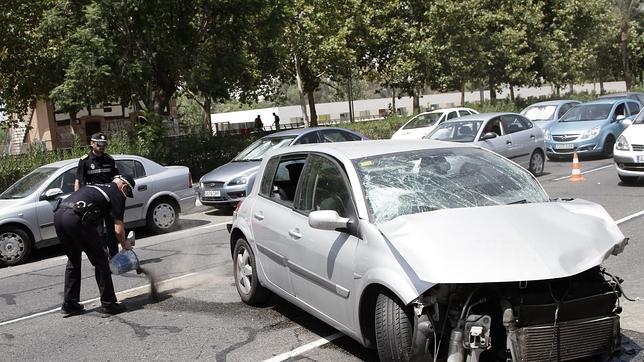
(430, 251)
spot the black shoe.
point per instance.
(112, 308)
(69, 309)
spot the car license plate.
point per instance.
(212, 193)
(564, 146)
(640, 159)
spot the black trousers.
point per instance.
(77, 238)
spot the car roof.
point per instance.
(555, 102)
(353, 150)
(303, 130)
(605, 101)
(620, 95)
(443, 110)
(481, 116)
(63, 163)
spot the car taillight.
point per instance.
(189, 180)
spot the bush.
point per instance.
(377, 129)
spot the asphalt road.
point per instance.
(200, 316)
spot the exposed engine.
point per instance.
(549, 320)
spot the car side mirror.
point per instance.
(131, 237)
(619, 117)
(627, 121)
(488, 136)
(51, 194)
(327, 220)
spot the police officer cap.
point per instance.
(130, 182)
(99, 138)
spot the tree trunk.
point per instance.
(393, 101)
(463, 94)
(207, 116)
(572, 89)
(314, 115)
(624, 47)
(298, 79)
(482, 94)
(511, 92)
(557, 90)
(416, 101)
(492, 93)
(601, 85)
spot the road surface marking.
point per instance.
(305, 348)
(585, 172)
(629, 217)
(31, 316)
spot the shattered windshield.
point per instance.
(28, 184)
(423, 120)
(257, 149)
(456, 131)
(539, 113)
(426, 180)
(587, 112)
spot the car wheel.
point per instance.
(245, 271)
(628, 179)
(163, 216)
(536, 163)
(609, 144)
(393, 330)
(15, 246)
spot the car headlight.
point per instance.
(238, 180)
(547, 135)
(591, 133)
(622, 144)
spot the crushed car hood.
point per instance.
(503, 243)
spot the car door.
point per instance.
(499, 144)
(272, 217)
(616, 127)
(144, 189)
(321, 261)
(45, 208)
(522, 138)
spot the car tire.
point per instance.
(15, 246)
(628, 179)
(609, 144)
(393, 329)
(163, 216)
(250, 290)
(536, 163)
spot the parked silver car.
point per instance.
(424, 249)
(26, 207)
(228, 184)
(508, 134)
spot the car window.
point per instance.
(333, 136)
(456, 131)
(130, 167)
(526, 122)
(323, 187)
(512, 124)
(267, 179)
(65, 181)
(564, 108)
(311, 137)
(539, 112)
(350, 136)
(633, 108)
(493, 125)
(463, 112)
(287, 175)
(425, 180)
(452, 115)
(424, 120)
(620, 110)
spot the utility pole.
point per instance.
(350, 95)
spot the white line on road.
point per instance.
(305, 348)
(629, 217)
(585, 172)
(31, 316)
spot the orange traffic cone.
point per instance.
(576, 169)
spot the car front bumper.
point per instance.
(221, 194)
(586, 147)
(629, 163)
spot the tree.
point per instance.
(627, 10)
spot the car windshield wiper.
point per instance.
(522, 201)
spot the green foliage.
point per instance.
(378, 129)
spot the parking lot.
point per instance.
(199, 314)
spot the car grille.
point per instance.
(564, 137)
(213, 185)
(576, 339)
(638, 147)
(631, 166)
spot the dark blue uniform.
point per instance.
(77, 236)
(94, 169)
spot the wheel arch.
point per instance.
(163, 196)
(366, 311)
(22, 227)
(235, 234)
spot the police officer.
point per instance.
(76, 220)
(97, 167)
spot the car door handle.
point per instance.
(295, 233)
(258, 216)
(508, 142)
(142, 187)
(532, 137)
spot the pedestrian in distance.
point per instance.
(76, 219)
(258, 123)
(277, 121)
(98, 167)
